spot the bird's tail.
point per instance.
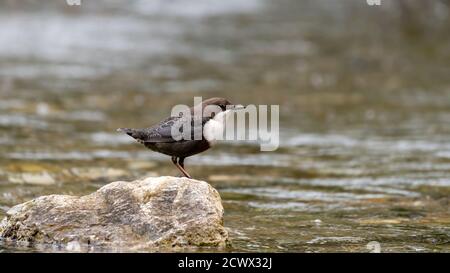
(127, 131)
(134, 133)
(137, 134)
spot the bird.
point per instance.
(205, 122)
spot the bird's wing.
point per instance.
(169, 130)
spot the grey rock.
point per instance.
(147, 213)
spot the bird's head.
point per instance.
(214, 106)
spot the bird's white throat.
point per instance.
(214, 128)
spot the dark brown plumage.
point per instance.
(160, 138)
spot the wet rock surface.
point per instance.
(151, 212)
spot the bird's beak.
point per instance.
(238, 107)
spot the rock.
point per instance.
(147, 213)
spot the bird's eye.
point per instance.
(222, 107)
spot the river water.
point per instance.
(364, 95)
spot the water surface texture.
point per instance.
(364, 95)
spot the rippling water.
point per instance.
(364, 99)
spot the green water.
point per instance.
(364, 95)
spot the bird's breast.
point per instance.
(213, 130)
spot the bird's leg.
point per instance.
(181, 162)
(174, 161)
(180, 166)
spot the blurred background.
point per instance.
(364, 95)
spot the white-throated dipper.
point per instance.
(206, 121)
